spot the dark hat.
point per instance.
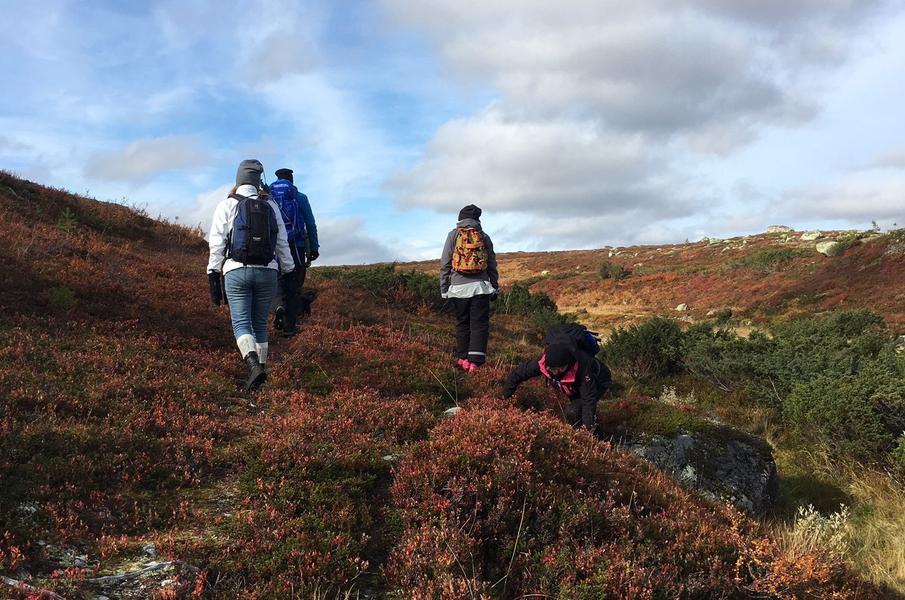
(284, 174)
(470, 212)
(559, 355)
(250, 172)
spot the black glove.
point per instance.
(213, 279)
(313, 255)
(494, 296)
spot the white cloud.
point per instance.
(894, 159)
(545, 167)
(603, 105)
(860, 197)
(142, 160)
(344, 241)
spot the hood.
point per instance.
(247, 190)
(469, 223)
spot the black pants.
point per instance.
(472, 327)
(292, 303)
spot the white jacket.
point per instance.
(221, 225)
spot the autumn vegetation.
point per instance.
(121, 423)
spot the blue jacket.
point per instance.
(308, 217)
(296, 212)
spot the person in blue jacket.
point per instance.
(302, 232)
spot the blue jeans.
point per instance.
(250, 291)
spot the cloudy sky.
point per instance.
(573, 124)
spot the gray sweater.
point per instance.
(462, 285)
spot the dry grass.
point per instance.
(868, 535)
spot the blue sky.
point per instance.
(572, 124)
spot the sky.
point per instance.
(572, 124)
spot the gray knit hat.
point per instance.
(249, 172)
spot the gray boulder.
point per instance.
(779, 229)
(721, 463)
(829, 248)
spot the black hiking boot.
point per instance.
(291, 330)
(278, 318)
(256, 373)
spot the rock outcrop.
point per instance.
(721, 463)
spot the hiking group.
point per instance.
(263, 238)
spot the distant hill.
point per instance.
(759, 277)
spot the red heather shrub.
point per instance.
(318, 490)
(502, 503)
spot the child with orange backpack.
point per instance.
(469, 279)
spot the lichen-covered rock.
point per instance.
(810, 236)
(721, 463)
(828, 248)
(779, 229)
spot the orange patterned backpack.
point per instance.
(470, 252)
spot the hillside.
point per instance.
(131, 466)
(760, 277)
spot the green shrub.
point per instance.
(67, 222)
(61, 299)
(769, 259)
(650, 349)
(898, 453)
(719, 356)
(608, 270)
(838, 345)
(386, 280)
(537, 306)
(849, 413)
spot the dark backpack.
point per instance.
(574, 335)
(253, 238)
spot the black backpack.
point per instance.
(253, 237)
(574, 335)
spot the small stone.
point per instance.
(149, 549)
(711, 312)
(390, 458)
(682, 307)
(545, 272)
(451, 412)
(688, 475)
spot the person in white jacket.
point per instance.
(250, 281)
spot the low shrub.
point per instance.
(506, 504)
(387, 281)
(898, 453)
(769, 259)
(858, 415)
(537, 306)
(647, 350)
(717, 355)
(310, 512)
(608, 270)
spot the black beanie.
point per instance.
(249, 172)
(470, 212)
(284, 174)
(559, 355)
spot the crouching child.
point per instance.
(570, 365)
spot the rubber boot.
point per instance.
(278, 318)
(256, 373)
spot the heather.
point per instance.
(123, 425)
